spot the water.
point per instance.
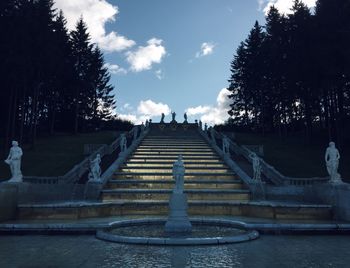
(158, 231)
(87, 251)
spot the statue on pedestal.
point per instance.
(14, 161)
(256, 167)
(173, 114)
(147, 123)
(332, 157)
(162, 118)
(178, 175)
(225, 145)
(122, 143)
(95, 170)
(205, 127)
(142, 127)
(185, 117)
(200, 125)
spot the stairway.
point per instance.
(147, 175)
(142, 186)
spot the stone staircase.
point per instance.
(142, 186)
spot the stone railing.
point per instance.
(267, 170)
(73, 175)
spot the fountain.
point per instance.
(177, 229)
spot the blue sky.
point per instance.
(170, 55)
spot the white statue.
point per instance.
(162, 118)
(205, 127)
(256, 167)
(14, 161)
(332, 157)
(95, 169)
(173, 114)
(122, 143)
(178, 174)
(185, 117)
(200, 125)
(225, 145)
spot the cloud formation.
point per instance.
(152, 108)
(96, 13)
(284, 6)
(207, 48)
(145, 56)
(145, 110)
(159, 74)
(216, 114)
(115, 69)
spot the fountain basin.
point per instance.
(151, 232)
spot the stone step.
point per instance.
(164, 194)
(173, 158)
(169, 184)
(171, 153)
(162, 169)
(169, 175)
(169, 164)
(164, 149)
(174, 146)
(83, 210)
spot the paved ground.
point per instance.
(86, 251)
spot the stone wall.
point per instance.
(8, 201)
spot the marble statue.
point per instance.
(205, 127)
(95, 169)
(178, 221)
(147, 123)
(142, 127)
(256, 167)
(173, 114)
(162, 118)
(14, 161)
(122, 142)
(200, 125)
(185, 117)
(225, 145)
(178, 174)
(332, 157)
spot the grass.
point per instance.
(54, 156)
(294, 158)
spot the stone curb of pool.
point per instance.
(105, 235)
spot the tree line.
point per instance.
(293, 74)
(51, 79)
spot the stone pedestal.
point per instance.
(178, 221)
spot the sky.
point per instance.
(170, 55)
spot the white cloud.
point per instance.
(152, 108)
(206, 49)
(145, 56)
(197, 110)
(284, 6)
(145, 110)
(115, 69)
(96, 13)
(213, 114)
(159, 74)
